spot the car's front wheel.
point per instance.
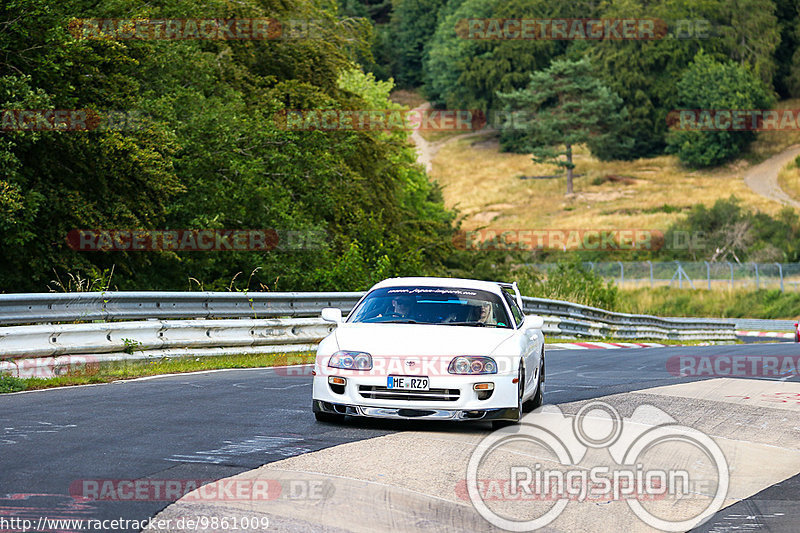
(497, 424)
(538, 399)
(323, 416)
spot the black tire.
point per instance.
(331, 418)
(538, 398)
(499, 424)
(323, 416)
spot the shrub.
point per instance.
(709, 84)
(572, 281)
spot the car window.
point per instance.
(432, 305)
(519, 316)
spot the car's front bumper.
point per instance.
(449, 398)
(507, 413)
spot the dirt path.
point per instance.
(427, 150)
(763, 178)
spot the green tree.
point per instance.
(413, 24)
(467, 73)
(752, 35)
(563, 105)
(644, 72)
(709, 84)
(787, 55)
(210, 152)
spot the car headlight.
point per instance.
(351, 360)
(467, 364)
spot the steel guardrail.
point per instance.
(38, 308)
(67, 324)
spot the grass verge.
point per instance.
(119, 370)
(667, 301)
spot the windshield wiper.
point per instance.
(478, 324)
(404, 321)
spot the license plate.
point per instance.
(408, 382)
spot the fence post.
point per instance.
(651, 273)
(708, 274)
(731, 265)
(756, 266)
(780, 273)
(621, 274)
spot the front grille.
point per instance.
(384, 393)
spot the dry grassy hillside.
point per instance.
(486, 186)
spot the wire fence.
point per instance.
(696, 275)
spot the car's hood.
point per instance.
(414, 339)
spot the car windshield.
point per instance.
(432, 305)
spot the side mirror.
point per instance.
(534, 321)
(332, 314)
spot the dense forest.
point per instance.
(207, 151)
(415, 42)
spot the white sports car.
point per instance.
(431, 348)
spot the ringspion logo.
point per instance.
(550, 460)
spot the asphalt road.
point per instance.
(213, 425)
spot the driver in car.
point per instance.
(481, 313)
(402, 306)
